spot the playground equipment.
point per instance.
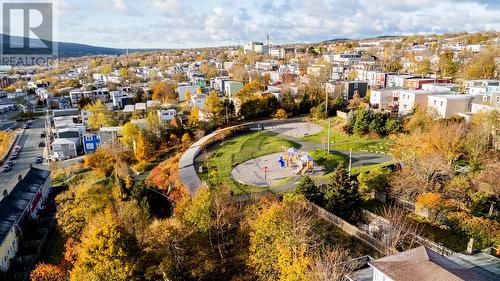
(299, 162)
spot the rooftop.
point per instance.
(14, 204)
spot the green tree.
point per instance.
(363, 119)
(374, 180)
(377, 125)
(393, 126)
(309, 189)
(446, 65)
(341, 197)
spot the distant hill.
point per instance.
(66, 49)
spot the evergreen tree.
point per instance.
(341, 195)
(308, 188)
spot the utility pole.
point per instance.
(350, 161)
(328, 138)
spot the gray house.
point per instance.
(63, 149)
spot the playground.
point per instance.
(272, 169)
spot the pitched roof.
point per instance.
(423, 264)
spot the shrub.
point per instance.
(486, 232)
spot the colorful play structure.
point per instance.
(299, 162)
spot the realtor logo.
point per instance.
(27, 38)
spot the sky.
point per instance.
(207, 23)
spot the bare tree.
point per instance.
(400, 233)
(331, 263)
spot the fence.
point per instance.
(420, 240)
(349, 228)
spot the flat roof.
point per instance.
(453, 97)
(14, 204)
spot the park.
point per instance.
(274, 157)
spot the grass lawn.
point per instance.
(236, 151)
(327, 160)
(341, 141)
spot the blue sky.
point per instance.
(186, 23)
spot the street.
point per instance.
(29, 142)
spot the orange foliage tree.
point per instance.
(47, 272)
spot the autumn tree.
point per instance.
(108, 252)
(481, 66)
(163, 91)
(144, 149)
(47, 272)
(130, 134)
(99, 115)
(401, 232)
(446, 65)
(213, 105)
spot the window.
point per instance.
(355, 85)
(56, 146)
(441, 104)
(434, 102)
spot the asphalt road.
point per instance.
(29, 142)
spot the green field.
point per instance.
(341, 141)
(221, 160)
(327, 160)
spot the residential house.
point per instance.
(354, 87)
(441, 87)
(232, 87)
(449, 105)
(185, 88)
(424, 264)
(91, 142)
(385, 99)
(417, 83)
(165, 115)
(397, 80)
(409, 99)
(27, 107)
(18, 205)
(198, 101)
(485, 103)
(256, 47)
(63, 148)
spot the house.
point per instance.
(449, 105)
(21, 204)
(232, 87)
(417, 83)
(198, 101)
(165, 115)
(64, 103)
(409, 99)
(485, 103)
(354, 87)
(376, 79)
(397, 80)
(441, 87)
(27, 107)
(63, 148)
(183, 89)
(110, 134)
(384, 99)
(423, 264)
(347, 57)
(91, 142)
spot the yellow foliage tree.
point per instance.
(144, 149)
(99, 115)
(130, 133)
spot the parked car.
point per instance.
(41, 144)
(14, 157)
(10, 163)
(43, 134)
(18, 148)
(38, 160)
(5, 169)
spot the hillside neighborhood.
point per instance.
(372, 159)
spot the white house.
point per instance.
(198, 101)
(409, 99)
(166, 115)
(441, 87)
(449, 105)
(383, 98)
